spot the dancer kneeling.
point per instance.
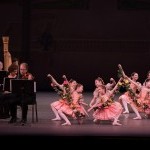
(74, 109)
(64, 90)
(106, 108)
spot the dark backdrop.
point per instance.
(83, 39)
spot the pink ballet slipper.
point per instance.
(137, 118)
(95, 120)
(66, 124)
(116, 124)
(56, 119)
(126, 112)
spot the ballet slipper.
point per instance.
(95, 120)
(56, 119)
(116, 124)
(66, 124)
(137, 118)
(126, 112)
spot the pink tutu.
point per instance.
(67, 110)
(145, 107)
(109, 112)
(58, 104)
(147, 111)
(80, 109)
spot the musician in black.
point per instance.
(1, 69)
(22, 99)
(2, 114)
(6, 97)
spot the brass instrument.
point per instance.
(7, 55)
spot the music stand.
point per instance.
(21, 86)
(6, 84)
(3, 74)
(26, 89)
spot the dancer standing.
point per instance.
(127, 97)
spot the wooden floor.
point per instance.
(46, 127)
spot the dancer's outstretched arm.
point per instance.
(95, 105)
(115, 88)
(55, 82)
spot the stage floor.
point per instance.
(46, 127)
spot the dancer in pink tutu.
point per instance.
(148, 78)
(143, 100)
(75, 109)
(127, 97)
(98, 82)
(146, 105)
(107, 108)
(64, 90)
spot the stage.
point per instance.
(46, 127)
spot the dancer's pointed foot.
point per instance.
(66, 124)
(95, 120)
(116, 124)
(126, 112)
(56, 119)
(137, 118)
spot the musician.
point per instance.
(24, 74)
(1, 69)
(13, 71)
(1, 89)
(5, 96)
(22, 100)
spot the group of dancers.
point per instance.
(71, 103)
